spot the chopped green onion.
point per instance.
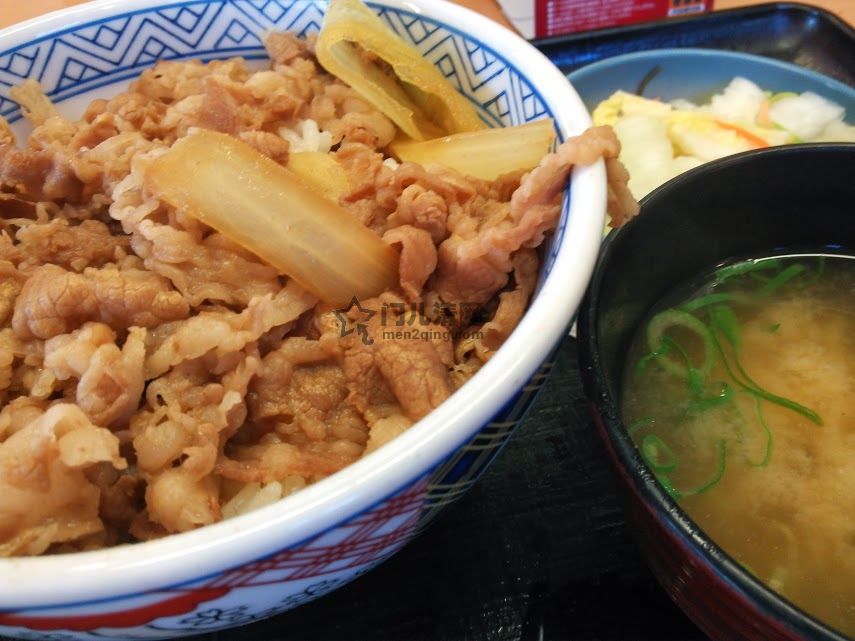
(641, 423)
(672, 491)
(813, 278)
(767, 452)
(720, 337)
(783, 401)
(774, 398)
(721, 446)
(709, 299)
(694, 377)
(723, 273)
(723, 319)
(750, 386)
(705, 403)
(663, 321)
(658, 454)
(656, 353)
(782, 278)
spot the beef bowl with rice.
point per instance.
(271, 298)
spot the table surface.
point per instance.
(524, 556)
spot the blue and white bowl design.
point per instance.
(278, 557)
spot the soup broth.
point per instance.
(739, 394)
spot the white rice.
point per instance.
(307, 136)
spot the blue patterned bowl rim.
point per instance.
(116, 573)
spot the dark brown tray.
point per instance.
(798, 33)
(539, 549)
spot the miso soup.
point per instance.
(740, 395)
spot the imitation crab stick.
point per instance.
(746, 135)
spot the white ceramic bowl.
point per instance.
(275, 558)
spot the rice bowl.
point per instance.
(403, 467)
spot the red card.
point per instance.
(556, 17)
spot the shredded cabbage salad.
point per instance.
(663, 139)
